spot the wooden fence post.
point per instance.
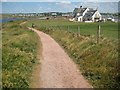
(68, 29)
(79, 30)
(98, 34)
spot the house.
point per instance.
(53, 13)
(86, 15)
(40, 14)
(65, 14)
(111, 18)
(68, 14)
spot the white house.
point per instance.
(53, 13)
(65, 14)
(86, 15)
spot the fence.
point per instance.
(76, 29)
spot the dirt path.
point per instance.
(57, 69)
(23, 23)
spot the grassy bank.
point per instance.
(98, 62)
(19, 55)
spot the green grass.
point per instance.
(108, 29)
(19, 55)
(98, 62)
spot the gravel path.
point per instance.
(57, 69)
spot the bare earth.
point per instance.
(57, 69)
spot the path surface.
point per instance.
(57, 69)
(22, 23)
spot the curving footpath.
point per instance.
(57, 69)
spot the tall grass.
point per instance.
(19, 55)
(98, 62)
(108, 29)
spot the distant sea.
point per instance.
(9, 19)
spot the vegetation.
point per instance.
(19, 55)
(98, 62)
(108, 29)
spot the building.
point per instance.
(86, 15)
(65, 14)
(68, 14)
(53, 13)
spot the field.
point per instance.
(108, 29)
(19, 55)
(98, 62)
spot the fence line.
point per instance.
(98, 34)
(78, 30)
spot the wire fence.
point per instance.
(74, 29)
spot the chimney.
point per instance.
(80, 6)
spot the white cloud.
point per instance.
(66, 5)
(102, 0)
(62, 1)
(28, 0)
(92, 0)
(65, 2)
(3, 0)
(47, 0)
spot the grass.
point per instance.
(98, 62)
(108, 29)
(19, 55)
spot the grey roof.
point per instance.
(76, 10)
(91, 9)
(89, 14)
(79, 10)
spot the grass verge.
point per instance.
(98, 62)
(19, 55)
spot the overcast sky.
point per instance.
(25, 6)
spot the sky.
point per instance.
(32, 6)
(59, 0)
